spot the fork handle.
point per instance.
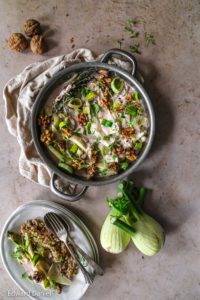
(98, 270)
(87, 275)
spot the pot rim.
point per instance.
(54, 81)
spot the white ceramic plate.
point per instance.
(80, 233)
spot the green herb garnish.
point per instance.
(131, 110)
(73, 149)
(149, 39)
(124, 165)
(138, 146)
(95, 108)
(135, 48)
(88, 128)
(107, 123)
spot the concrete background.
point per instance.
(171, 70)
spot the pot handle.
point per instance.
(70, 193)
(106, 56)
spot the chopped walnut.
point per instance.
(103, 72)
(67, 132)
(119, 151)
(107, 80)
(37, 276)
(46, 136)
(82, 119)
(130, 154)
(77, 164)
(129, 97)
(44, 121)
(105, 102)
(127, 132)
(113, 167)
(91, 170)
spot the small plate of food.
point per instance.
(38, 262)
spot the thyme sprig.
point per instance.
(136, 27)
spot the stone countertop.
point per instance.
(171, 71)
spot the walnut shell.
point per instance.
(37, 44)
(32, 27)
(17, 42)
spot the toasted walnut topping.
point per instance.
(46, 136)
(113, 167)
(107, 80)
(130, 154)
(82, 119)
(129, 97)
(119, 151)
(103, 72)
(127, 132)
(37, 276)
(44, 121)
(77, 164)
(91, 170)
(105, 102)
(67, 132)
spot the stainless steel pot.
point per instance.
(59, 78)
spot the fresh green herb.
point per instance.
(46, 283)
(138, 146)
(149, 39)
(25, 276)
(95, 108)
(73, 149)
(88, 128)
(63, 124)
(35, 259)
(133, 121)
(133, 33)
(131, 110)
(107, 123)
(88, 94)
(135, 48)
(135, 21)
(136, 96)
(120, 42)
(124, 165)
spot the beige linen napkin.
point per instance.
(20, 93)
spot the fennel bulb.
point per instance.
(112, 238)
(149, 236)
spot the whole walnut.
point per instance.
(37, 44)
(32, 27)
(17, 42)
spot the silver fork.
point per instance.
(97, 269)
(55, 224)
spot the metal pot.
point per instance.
(59, 78)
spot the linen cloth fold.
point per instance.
(19, 95)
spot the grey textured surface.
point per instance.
(171, 70)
